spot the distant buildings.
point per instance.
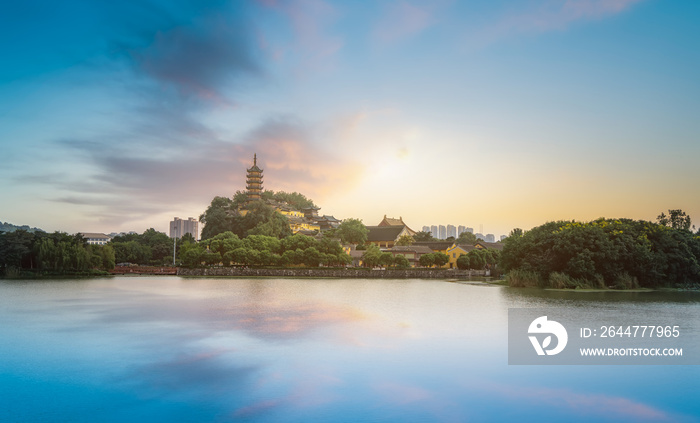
(179, 227)
(444, 232)
(503, 237)
(95, 238)
(426, 229)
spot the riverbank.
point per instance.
(353, 273)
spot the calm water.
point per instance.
(298, 350)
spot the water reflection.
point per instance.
(310, 350)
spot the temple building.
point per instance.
(390, 221)
(306, 221)
(254, 181)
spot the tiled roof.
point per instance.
(493, 245)
(420, 249)
(435, 245)
(93, 235)
(383, 233)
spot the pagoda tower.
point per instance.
(254, 180)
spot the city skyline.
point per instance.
(119, 116)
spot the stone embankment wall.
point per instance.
(334, 273)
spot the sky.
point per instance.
(119, 116)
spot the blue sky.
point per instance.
(120, 115)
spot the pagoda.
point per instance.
(254, 180)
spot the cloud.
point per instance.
(401, 21)
(206, 373)
(309, 20)
(129, 181)
(201, 58)
(548, 15)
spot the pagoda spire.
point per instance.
(254, 181)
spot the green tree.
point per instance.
(262, 219)
(463, 262)
(386, 259)
(441, 259)
(477, 259)
(466, 238)
(294, 199)
(220, 216)
(401, 262)
(423, 237)
(352, 231)
(676, 219)
(372, 256)
(427, 260)
(192, 257)
(311, 257)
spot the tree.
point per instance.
(297, 241)
(372, 256)
(187, 238)
(192, 257)
(423, 236)
(312, 257)
(477, 259)
(401, 262)
(262, 219)
(352, 231)
(441, 259)
(294, 199)
(676, 219)
(466, 238)
(463, 262)
(220, 216)
(405, 240)
(427, 260)
(386, 259)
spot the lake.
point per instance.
(299, 350)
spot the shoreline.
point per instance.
(345, 273)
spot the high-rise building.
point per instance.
(179, 227)
(503, 237)
(451, 231)
(490, 238)
(254, 180)
(461, 229)
(434, 231)
(426, 229)
(470, 230)
(442, 232)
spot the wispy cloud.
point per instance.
(547, 15)
(127, 182)
(314, 44)
(403, 20)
